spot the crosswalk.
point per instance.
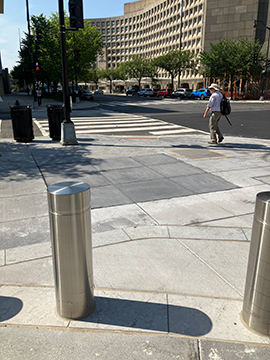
(116, 123)
(146, 103)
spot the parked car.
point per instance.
(86, 95)
(131, 92)
(182, 93)
(146, 92)
(98, 92)
(201, 94)
(165, 92)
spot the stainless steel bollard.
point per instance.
(70, 225)
(256, 307)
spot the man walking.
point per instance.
(214, 105)
(39, 96)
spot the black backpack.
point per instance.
(225, 107)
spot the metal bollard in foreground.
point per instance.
(70, 225)
(256, 307)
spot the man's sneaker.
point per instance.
(212, 142)
(220, 139)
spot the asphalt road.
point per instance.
(249, 119)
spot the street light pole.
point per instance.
(68, 136)
(180, 42)
(31, 55)
(267, 53)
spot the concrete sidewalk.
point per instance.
(171, 223)
(9, 100)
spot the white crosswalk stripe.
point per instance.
(146, 103)
(104, 122)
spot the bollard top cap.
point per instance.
(68, 198)
(68, 188)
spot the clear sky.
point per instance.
(13, 23)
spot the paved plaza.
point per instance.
(171, 229)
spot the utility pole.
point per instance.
(31, 55)
(181, 32)
(264, 80)
(68, 136)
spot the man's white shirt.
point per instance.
(215, 100)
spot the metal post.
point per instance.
(256, 307)
(68, 136)
(266, 62)
(70, 225)
(181, 31)
(31, 56)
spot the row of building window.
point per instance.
(145, 48)
(193, 42)
(165, 24)
(140, 49)
(186, 13)
(145, 24)
(185, 34)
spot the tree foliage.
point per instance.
(87, 40)
(231, 59)
(111, 74)
(176, 61)
(138, 68)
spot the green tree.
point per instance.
(87, 40)
(111, 74)
(93, 75)
(231, 59)
(176, 61)
(139, 67)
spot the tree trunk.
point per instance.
(172, 80)
(231, 86)
(110, 86)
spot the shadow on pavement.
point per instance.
(150, 316)
(9, 307)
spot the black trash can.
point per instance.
(22, 124)
(56, 116)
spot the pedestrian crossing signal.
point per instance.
(37, 67)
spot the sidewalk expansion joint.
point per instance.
(127, 332)
(212, 269)
(166, 293)
(38, 166)
(26, 261)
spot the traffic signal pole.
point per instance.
(68, 136)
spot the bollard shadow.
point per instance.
(152, 316)
(9, 307)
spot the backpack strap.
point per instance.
(228, 120)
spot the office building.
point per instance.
(151, 28)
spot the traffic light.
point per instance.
(37, 66)
(268, 63)
(76, 14)
(255, 59)
(38, 41)
(78, 54)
